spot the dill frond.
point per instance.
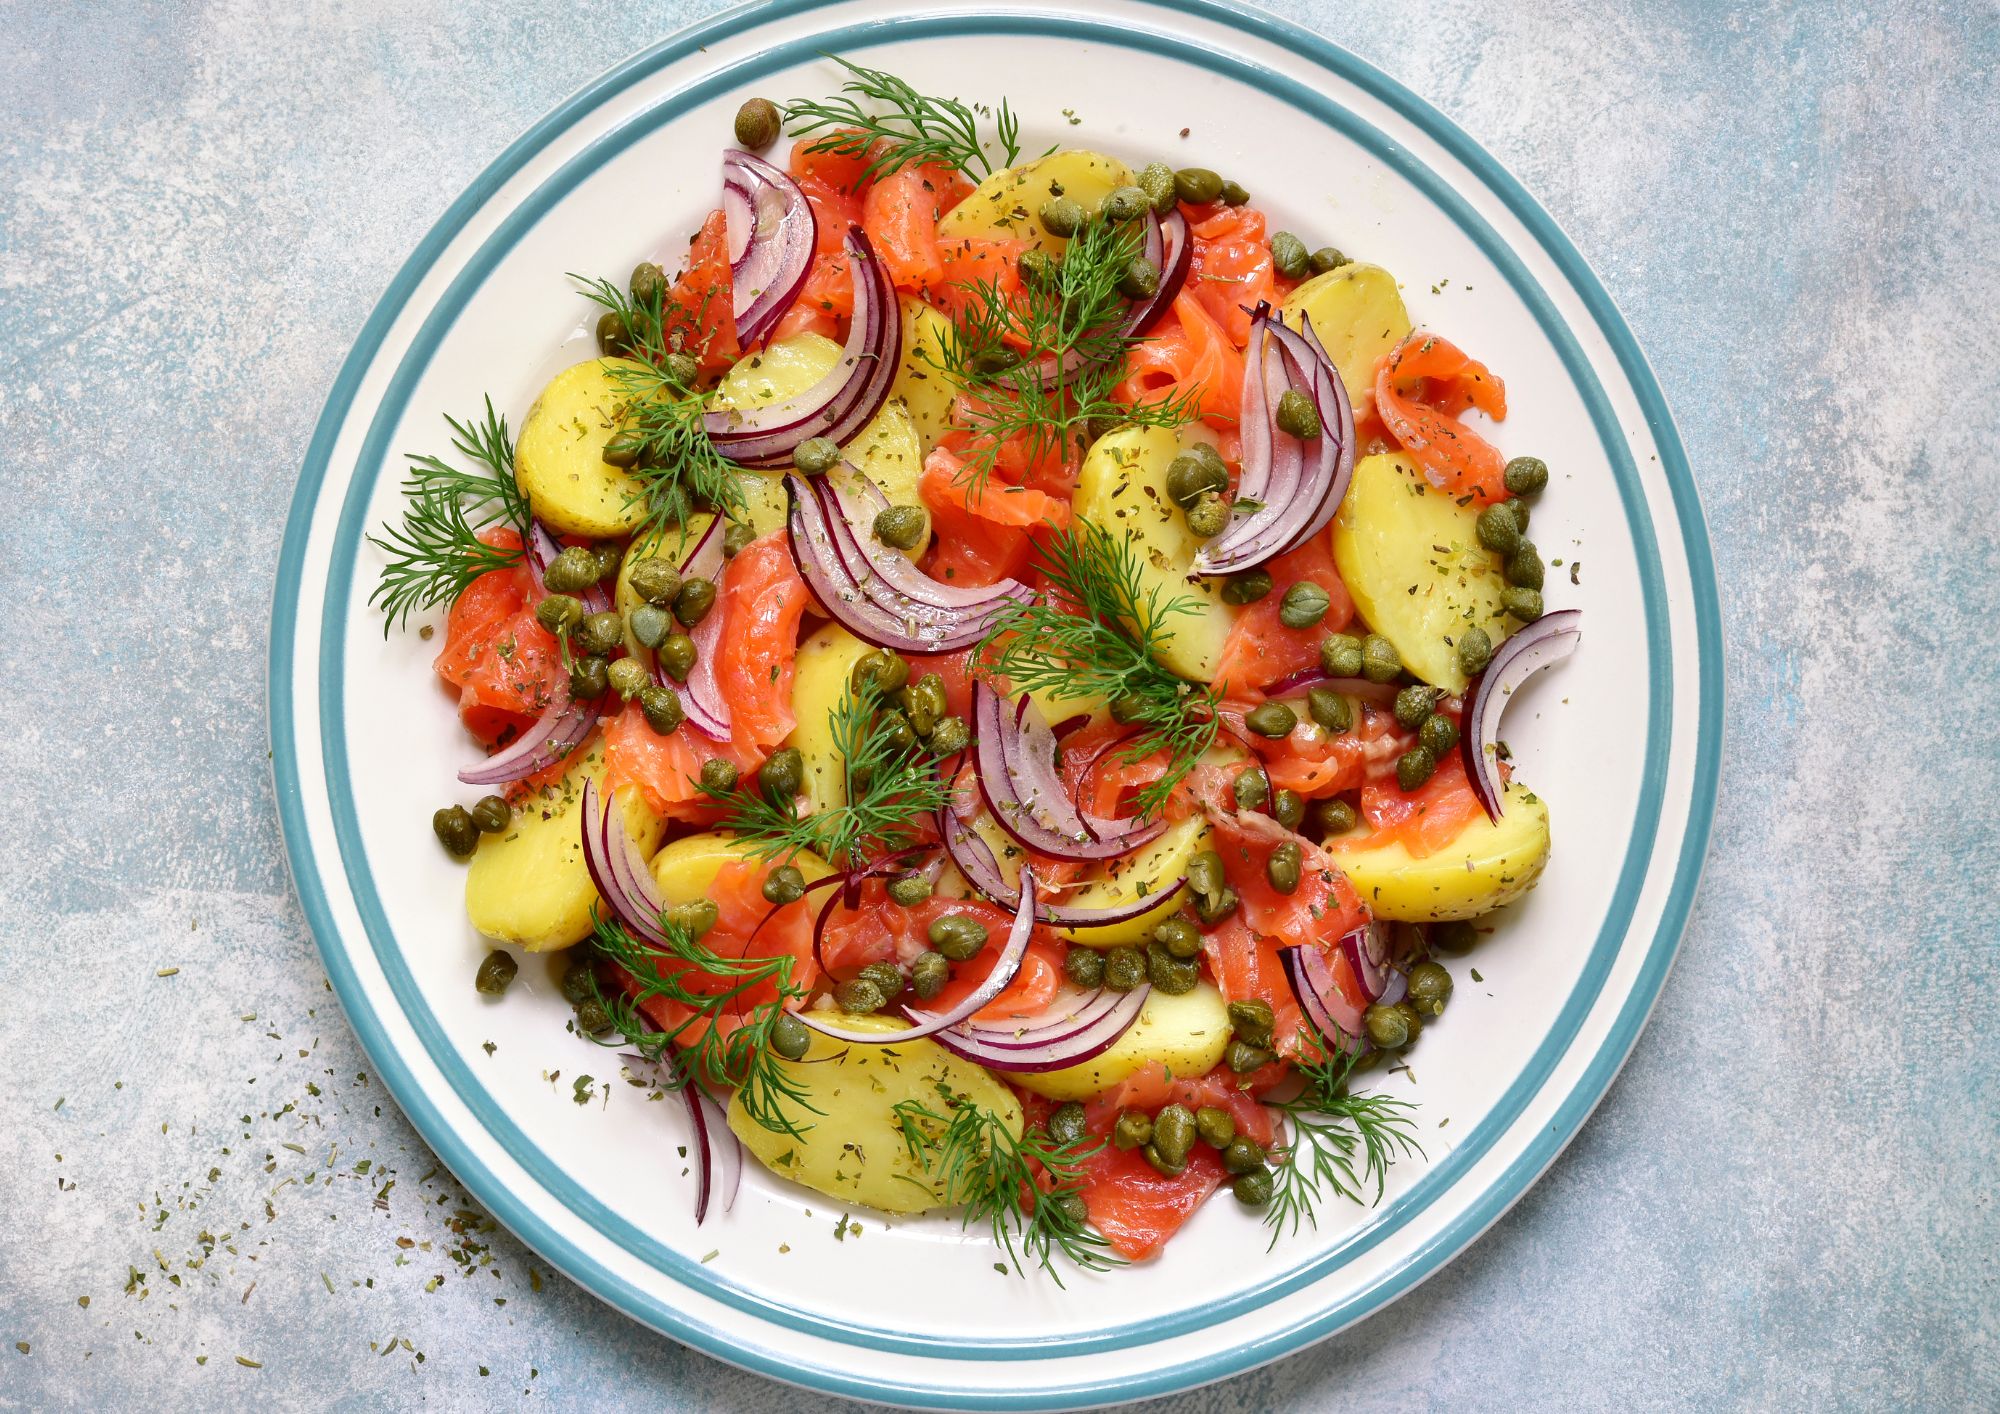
(882, 118)
(1341, 1142)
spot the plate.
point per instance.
(1622, 740)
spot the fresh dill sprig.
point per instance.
(1333, 1131)
(979, 1164)
(436, 552)
(874, 108)
(891, 785)
(1098, 633)
(743, 1059)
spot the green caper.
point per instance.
(559, 613)
(1380, 662)
(895, 731)
(783, 776)
(1132, 1130)
(455, 830)
(1084, 966)
(950, 736)
(496, 972)
(1162, 1165)
(1330, 708)
(790, 1036)
(1156, 179)
(784, 885)
(736, 538)
(1067, 1124)
(1198, 470)
(1140, 278)
(1178, 936)
(648, 283)
(1388, 1027)
(1253, 1189)
(1126, 709)
(1304, 605)
(1216, 1127)
(887, 977)
(1414, 703)
(490, 814)
(858, 997)
(677, 654)
(696, 598)
(928, 974)
(1327, 258)
(614, 336)
(757, 124)
(609, 557)
(1126, 204)
(1340, 655)
(1252, 1020)
(1214, 910)
(1415, 766)
(1197, 185)
(1437, 735)
(1124, 968)
(1246, 588)
(1526, 475)
(1290, 256)
(995, 361)
(909, 890)
(649, 625)
(902, 527)
(1208, 517)
(1039, 270)
(1334, 817)
(1524, 566)
(1235, 194)
(1242, 1156)
(599, 633)
(592, 1019)
(878, 671)
(924, 703)
(623, 449)
(1251, 788)
(589, 678)
(1205, 874)
(1523, 604)
(695, 919)
(1061, 217)
(1497, 530)
(1284, 866)
(1297, 417)
(682, 369)
(628, 678)
(718, 777)
(662, 708)
(1455, 937)
(958, 936)
(1271, 719)
(1519, 510)
(572, 570)
(1174, 1133)
(1288, 808)
(1475, 650)
(1430, 988)
(579, 978)
(1169, 974)
(1242, 1058)
(816, 456)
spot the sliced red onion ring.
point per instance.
(1367, 949)
(1549, 639)
(715, 1145)
(975, 860)
(1170, 250)
(1014, 754)
(1331, 1014)
(1383, 692)
(564, 723)
(772, 231)
(619, 870)
(701, 695)
(1073, 1043)
(840, 404)
(1004, 968)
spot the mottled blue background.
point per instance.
(1787, 1200)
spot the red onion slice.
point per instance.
(1014, 755)
(1367, 949)
(999, 1050)
(975, 861)
(701, 695)
(1320, 997)
(619, 870)
(772, 231)
(1549, 639)
(715, 1144)
(563, 725)
(1169, 248)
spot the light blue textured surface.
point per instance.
(1786, 1199)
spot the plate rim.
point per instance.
(1574, 1106)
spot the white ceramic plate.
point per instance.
(1621, 740)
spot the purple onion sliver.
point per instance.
(1549, 639)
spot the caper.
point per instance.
(609, 557)
(1289, 256)
(1246, 588)
(1497, 529)
(1388, 1027)
(649, 625)
(1084, 966)
(1283, 867)
(1288, 808)
(1132, 1130)
(995, 361)
(1174, 1133)
(1430, 988)
(1039, 270)
(695, 919)
(816, 455)
(1067, 1124)
(648, 283)
(1208, 517)
(1061, 217)
(1329, 707)
(1297, 417)
(1304, 605)
(950, 736)
(1415, 766)
(1526, 475)
(1524, 566)
(784, 884)
(909, 890)
(1205, 874)
(878, 671)
(1126, 204)
(924, 702)
(783, 776)
(592, 1019)
(1340, 655)
(1475, 650)
(1242, 1156)
(1216, 1126)
(1523, 604)
(1214, 910)
(661, 706)
(1455, 937)
(1140, 279)
(1327, 258)
(455, 830)
(895, 732)
(1242, 1058)
(736, 538)
(1197, 470)
(1414, 703)
(490, 814)
(1271, 719)
(623, 449)
(1124, 968)
(1252, 1020)
(1437, 735)
(1156, 179)
(1251, 788)
(559, 613)
(589, 678)
(1235, 194)
(614, 336)
(958, 936)
(682, 369)
(1127, 709)
(790, 1037)
(1169, 974)
(628, 678)
(1380, 662)
(1197, 185)
(696, 598)
(718, 777)
(1334, 817)
(496, 972)
(599, 633)
(757, 124)
(1520, 512)
(1162, 1165)
(858, 996)
(928, 974)
(902, 527)
(1253, 1189)
(676, 654)
(574, 569)
(887, 977)
(579, 978)
(1178, 936)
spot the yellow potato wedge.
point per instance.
(1358, 315)
(820, 677)
(1487, 866)
(559, 459)
(1146, 871)
(1187, 1034)
(1004, 206)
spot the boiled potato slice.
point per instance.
(528, 885)
(1486, 866)
(1123, 489)
(854, 1151)
(685, 870)
(1358, 316)
(1004, 206)
(820, 676)
(1409, 555)
(924, 388)
(1145, 871)
(890, 454)
(559, 461)
(781, 369)
(1187, 1034)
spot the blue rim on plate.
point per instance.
(1438, 1179)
